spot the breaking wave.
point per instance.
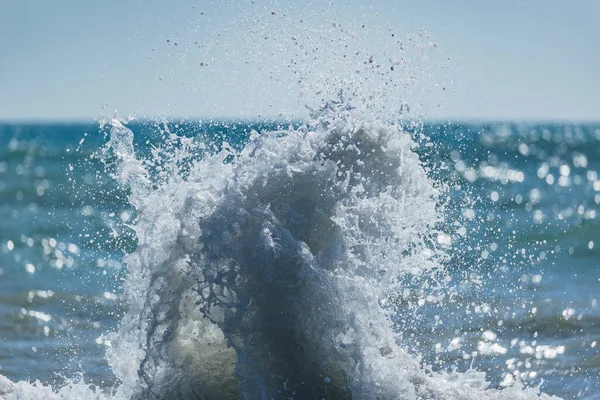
(269, 272)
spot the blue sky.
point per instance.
(517, 60)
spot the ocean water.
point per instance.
(333, 258)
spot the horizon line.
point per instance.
(279, 119)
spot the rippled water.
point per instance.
(518, 301)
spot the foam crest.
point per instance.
(260, 275)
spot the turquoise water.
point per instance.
(518, 298)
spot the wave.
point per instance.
(264, 273)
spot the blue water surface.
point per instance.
(522, 211)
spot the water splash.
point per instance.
(275, 265)
(267, 272)
(264, 273)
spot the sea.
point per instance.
(334, 258)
